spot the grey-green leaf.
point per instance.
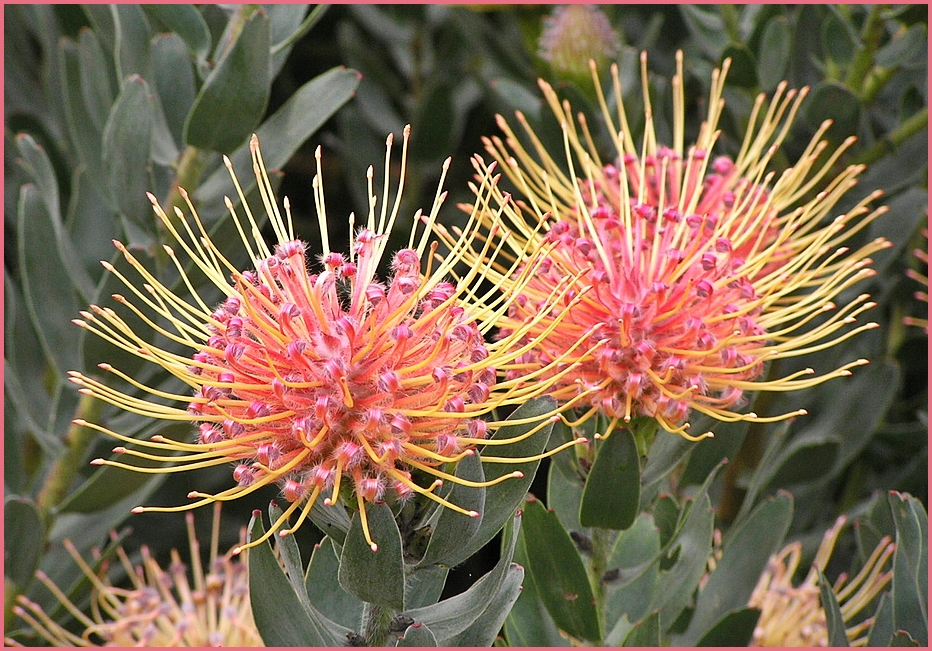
(613, 488)
(233, 98)
(454, 615)
(744, 557)
(187, 23)
(323, 587)
(736, 628)
(452, 528)
(279, 615)
(503, 499)
(377, 577)
(131, 34)
(773, 56)
(417, 635)
(127, 141)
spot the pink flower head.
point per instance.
(320, 376)
(689, 270)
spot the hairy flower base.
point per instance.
(690, 272)
(313, 381)
(162, 608)
(793, 615)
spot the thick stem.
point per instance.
(910, 127)
(873, 30)
(375, 623)
(65, 469)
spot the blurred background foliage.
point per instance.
(105, 103)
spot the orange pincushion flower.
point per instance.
(313, 381)
(691, 271)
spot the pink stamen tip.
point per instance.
(470, 453)
(192, 495)
(79, 422)
(597, 436)
(328, 502)
(236, 551)
(158, 438)
(105, 367)
(582, 439)
(374, 547)
(119, 450)
(137, 510)
(517, 474)
(474, 514)
(97, 462)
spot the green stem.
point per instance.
(871, 34)
(598, 564)
(65, 469)
(910, 127)
(375, 623)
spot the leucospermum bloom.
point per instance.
(792, 615)
(324, 380)
(697, 269)
(161, 607)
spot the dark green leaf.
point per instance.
(286, 26)
(127, 140)
(417, 635)
(424, 586)
(377, 577)
(910, 566)
(323, 587)
(85, 138)
(773, 55)
(725, 445)
(747, 549)
(281, 134)
(501, 500)
(803, 461)
(173, 79)
(279, 615)
(834, 620)
(706, 27)
(882, 629)
(667, 451)
(233, 98)
(743, 71)
(485, 629)
(734, 629)
(613, 488)
(131, 33)
(187, 23)
(565, 488)
(454, 615)
(22, 539)
(645, 633)
(529, 623)
(834, 101)
(97, 87)
(451, 528)
(559, 574)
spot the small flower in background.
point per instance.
(161, 608)
(320, 381)
(691, 270)
(923, 257)
(574, 34)
(793, 615)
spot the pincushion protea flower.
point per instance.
(319, 381)
(698, 269)
(163, 608)
(793, 615)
